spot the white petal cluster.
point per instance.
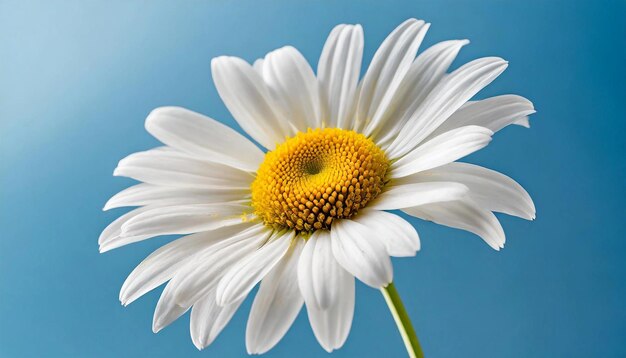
(198, 184)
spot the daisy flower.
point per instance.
(305, 208)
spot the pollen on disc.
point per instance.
(318, 176)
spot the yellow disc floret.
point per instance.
(316, 177)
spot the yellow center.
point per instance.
(316, 177)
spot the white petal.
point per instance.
(361, 253)
(202, 274)
(198, 276)
(157, 195)
(408, 195)
(294, 86)
(110, 237)
(163, 263)
(442, 149)
(494, 113)
(277, 303)
(449, 95)
(389, 65)
(425, 73)
(491, 190)
(120, 241)
(258, 65)
(184, 219)
(523, 121)
(165, 166)
(240, 279)
(204, 137)
(248, 99)
(167, 311)
(465, 215)
(338, 72)
(331, 326)
(399, 237)
(319, 273)
(208, 319)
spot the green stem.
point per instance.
(402, 321)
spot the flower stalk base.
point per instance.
(403, 321)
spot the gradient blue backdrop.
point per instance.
(78, 78)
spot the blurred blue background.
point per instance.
(78, 78)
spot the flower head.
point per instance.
(312, 213)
